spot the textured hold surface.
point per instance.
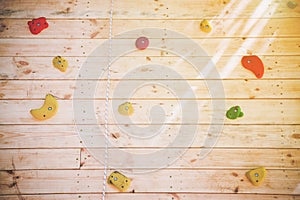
(37, 25)
(205, 26)
(119, 180)
(234, 112)
(48, 109)
(60, 63)
(142, 43)
(256, 176)
(254, 64)
(126, 109)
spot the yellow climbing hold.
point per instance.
(205, 26)
(60, 63)
(257, 176)
(119, 180)
(126, 109)
(48, 109)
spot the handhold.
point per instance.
(292, 4)
(254, 64)
(234, 112)
(142, 43)
(60, 63)
(48, 109)
(205, 26)
(257, 176)
(126, 109)
(37, 25)
(119, 180)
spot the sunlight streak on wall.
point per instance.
(256, 28)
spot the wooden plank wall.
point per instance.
(47, 160)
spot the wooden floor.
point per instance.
(48, 160)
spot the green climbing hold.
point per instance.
(234, 112)
(292, 4)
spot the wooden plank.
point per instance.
(153, 196)
(39, 136)
(25, 159)
(150, 89)
(39, 159)
(235, 158)
(95, 28)
(163, 9)
(276, 67)
(212, 47)
(285, 112)
(171, 181)
(232, 136)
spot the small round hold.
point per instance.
(142, 43)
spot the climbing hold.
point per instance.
(126, 109)
(119, 180)
(234, 112)
(48, 109)
(142, 43)
(292, 4)
(205, 26)
(60, 63)
(257, 176)
(37, 25)
(254, 64)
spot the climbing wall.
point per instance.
(47, 159)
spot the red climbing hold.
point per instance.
(254, 64)
(142, 43)
(37, 25)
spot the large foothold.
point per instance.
(257, 176)
(37, 25)
(120, 181)
(48, 109)
(254, 64)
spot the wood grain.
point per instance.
(285, 112)
(98, 28)
(163, 9)
(26, 159)
(276, 67)
(11, 159)
(49, 160)
(232, 136)
(211, 47)
(151, 196)
(171, 181)
(154, 89)
(190, 159)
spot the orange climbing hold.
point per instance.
(254, 64)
